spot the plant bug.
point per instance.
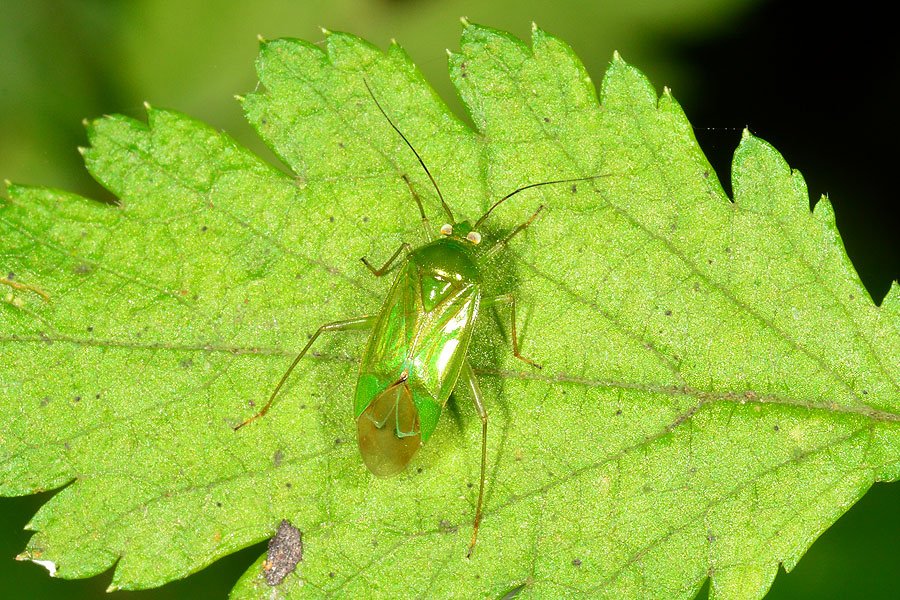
(418, 345)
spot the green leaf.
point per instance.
(717, 385)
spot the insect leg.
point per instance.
(390, 262)
(347, 325)
(469, 377)
(426, 225)
(493, 250)
(511, 301)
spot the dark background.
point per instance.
(819, 83)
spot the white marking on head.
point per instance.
(446, 229)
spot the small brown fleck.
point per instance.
(576, 562)
(447, 527)
(668, 313)
(285, 551)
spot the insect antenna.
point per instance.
(421, 162)
(527, 187)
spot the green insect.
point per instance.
(417, 350)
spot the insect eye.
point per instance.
(447, 229)
(474, 237)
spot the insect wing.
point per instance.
(388, 431)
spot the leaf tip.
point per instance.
(534, 27)
(112, 588)
(745, 134)
(325, 31)
(85, 122)
(465, 22)
(47, 564)
(617, 57)
(82, 150)
(240, 98)
(262, 41)
(667, 91)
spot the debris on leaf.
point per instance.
(285, 551)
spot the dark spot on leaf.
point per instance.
(90, 328)
(77, 398)
(45, 400)
(619, 412)
(219, 504)
(338, 441)
(705, 174)
(365, 219)
(851, 296)
(646, 489)
(278, 457)
(331, 574)
(576, 562)
(302, 406)
(97, 395)
(340, 144)
(447, 527)
(696, 287)
(83, 269)
(727, 248)
(546, 119)
(285, 551)
(331, 219)
(668, 313)
(204, 228)
(709, 261)
(777, 428)
(574, 188)
(186, 363)
(263, 121)
(67, 445)
(10, 275)
(865, 392)
(419, 470)
(710, 537)
(470, 485)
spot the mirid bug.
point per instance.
(417, 350)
